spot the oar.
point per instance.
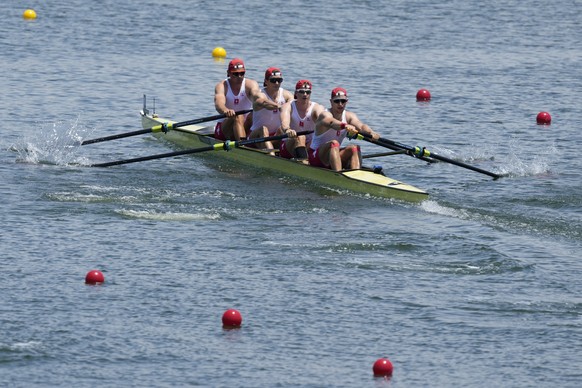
(162, 127)
(422, 152)
(409, 153)
(379, 154)
(395, 148)
(227, 145)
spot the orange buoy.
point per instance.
(94, 277)
(382, 367)
(544, 118)
(231, 319)
(423, 95)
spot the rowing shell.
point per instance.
(362, 181)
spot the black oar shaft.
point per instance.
(421, 152)
(161, 127)
(396, 148)
(118, 136)
(159, 156)
(200, 120)
(379, 154)
(218, 146)
(465, 165)
(264, 139)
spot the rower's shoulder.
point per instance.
(251, 83)
(324, 113)
(288, 95)
(317, 109)
(221, 85)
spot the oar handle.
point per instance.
(423, 152)
(264, 139)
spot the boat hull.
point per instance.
(359, 181)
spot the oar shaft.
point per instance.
(218, 146)
(379, 154)
(422, 152)
(264, 139)
(461, 164)
(397, 148)
(161, 127)
(118, 136)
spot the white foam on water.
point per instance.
(22, 346)
(167, 216)
(436, 208)
(53, 143)
(520, 163)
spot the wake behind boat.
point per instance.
(364, 181)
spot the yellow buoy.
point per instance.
(29, 14)
(219, 52)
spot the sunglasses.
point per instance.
(340, 101)
(304, 91)
(275, 80)
(239, 74)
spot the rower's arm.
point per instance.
(361, 127)
(220, 98)
(286, 117)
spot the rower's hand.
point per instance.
(271, 105)
(230, 113)
(375, 136)
(291, 133)
(352, 131)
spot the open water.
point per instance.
(478, 286)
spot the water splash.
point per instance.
(53, 143)
(519, 162)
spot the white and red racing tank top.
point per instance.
(239, 101)
(305, 123)
(269, 118)
(329, 135)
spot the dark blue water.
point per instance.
(478, 286)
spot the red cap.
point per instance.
(236, 64)
(338, 92)
(303, 84)
(273, 72)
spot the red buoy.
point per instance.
(423, 95)
(94, 277)
(231, 318)
(382, 367)
(544, 118)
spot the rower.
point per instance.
(297, 116)
(233, 94)
(331, 129)
(266, 116)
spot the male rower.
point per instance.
(233, 94)
(266, 118)
(331, 129)
(299, 115)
